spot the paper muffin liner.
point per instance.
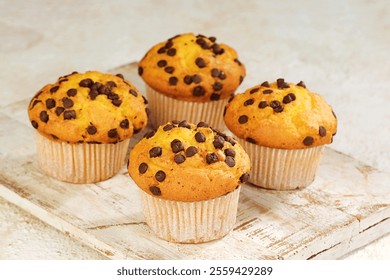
(282, 169)
(165, 109)
(191, 222)
(80, 162)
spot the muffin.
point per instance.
(190, 77)
(190, 178)
(284, 129)
(83, 124)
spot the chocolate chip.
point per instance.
(231, 98)
(111, 84)
(184, 124)
(215, 72)
(224, 111)
(143, 167)
(171, 52)
(168, 127)
(200, 137)
(243, 119)
(196, 79)
(43, 116)
(244, 177)
(54, 89)
(124, 124)
(173, 81)
(162, 63)
(50, 103)
(136, 130)
(301, 84)
(211, 158)
(175, 122)
(187, 79)
(218, 142)
(150, 134)
(55, 137)
(161, 50)
(155, 190)
(222, 75)
(279, 109)
(200, 62)
(112, 96)
(191, 151)
(155, 152)
(292, 96)
(68, 103)
(177, 146)
(59, 110)
(334, 115)
(145, 100)
(267, 91)
(254, 90)
(282, 84)
(217, 49)
(274, 104)
(287, 99)
(217, 86)
(212, 39)
(265, 84)
(35, 103)
(308, 141)
(240, 80)
(168, 44)
(250, 140)
(63, 80)
(169, 69)
(202, 124)
(230, 152)
(140, 71)
(147, 111)
(263, 104)
(198, 91)
(112, 133)
(34, 124)
(120, 76)
(86, 83)
(91, 129)
(200, 41)
(133, 92)
(237, 61)
(93, 94)
(215, 96)
(71, 92)
(230, 140)
(249, 102)
(230, 161)
(179, 159)
(69, 114)
(160, 176)
(322, 131)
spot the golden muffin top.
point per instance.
(281, 115)
(186, 162)
(91, 107)
(192, 68)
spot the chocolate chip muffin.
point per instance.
(284, 128)
(190, 77)
(83, 124)
(190, 178)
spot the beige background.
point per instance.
(339, 48)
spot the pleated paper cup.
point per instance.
(165, 109)
(191, 222)
(80, 162)
(282, 169)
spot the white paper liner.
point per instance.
(81, 162)
(282, 169)
(191, 222)
(165, 109)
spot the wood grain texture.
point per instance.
(346, 207)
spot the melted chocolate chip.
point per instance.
(143, 167)
(217, 86)
(179, 159)
(69, 114)
(254, 90)
(160, 176)
(200, 62)
(86, 83)
(249, 102)
(267, 91)
(44, 117)
(212, 39)
(202, 124)
(263, 104)
(187, 79)
(230, 152)
(244, 177)
(169, 69)
(93, 94)
(198, 91)
(34, 124)
(301, 84)
(133, 92)
(91, 129)
(230, 161)
(177, 146)
(215, 72)
(155, 190)
(250, 140)
(171, 52)
(68, 103)
(111, 84)
(173, 81)
(112, 133)
(35, 103)
(200, 137)
(191, 151)
(243, 119)
(54, 89)
(162, 63)
(215, 96)
(124, 124)
(50, 103)
(184, 124)
(196, 79)
(218, 142)
(71, 92)
(211, 158)
(155, 152)
(308, 141)
(140, 71)
(322, 131)
(59, 110)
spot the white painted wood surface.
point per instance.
(346, 207)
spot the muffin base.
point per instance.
(191, 222)
(282, 169)
(80, 162)
(165, 109)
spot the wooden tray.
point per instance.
(346, 207)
